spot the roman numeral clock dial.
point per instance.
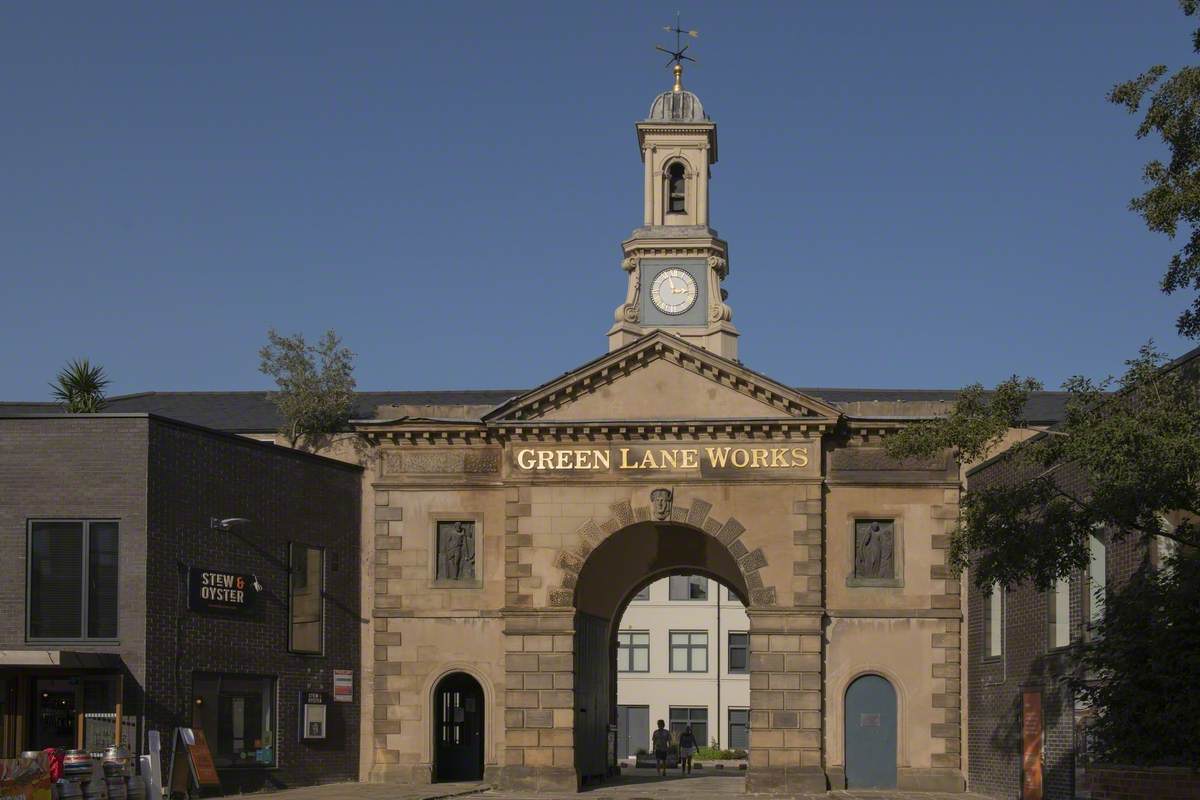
(673, 291)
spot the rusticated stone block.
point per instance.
(539, 718)
(763, 597)
(766, 662)
(756, 559)
(698, 512)
(712, 527)
(622, 512)
(785, 719)
(522, 699)
(562, 598)
(568, 561)
(557, 698)
(556, 662)
(730, 531)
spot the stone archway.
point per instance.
(560, 657)
(613, 572)
(727, 534)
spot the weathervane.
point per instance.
(677, 55)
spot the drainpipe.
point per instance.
(718, 728)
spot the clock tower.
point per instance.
(675, 261)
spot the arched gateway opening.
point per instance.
(612, 575)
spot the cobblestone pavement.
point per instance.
(626, 787)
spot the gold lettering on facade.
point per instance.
(676, 458)
(717, 456)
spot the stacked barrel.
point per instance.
(109, 778)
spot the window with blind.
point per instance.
(739, 728)
(993, 622)
(72, 580)
(688, 587)
(307, 567)
(1058, 614)
(1097, 579)
(739, 652)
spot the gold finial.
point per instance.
(677, 55)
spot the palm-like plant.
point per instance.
(79, 386)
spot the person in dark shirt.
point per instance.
(661, 741)
(687, 749)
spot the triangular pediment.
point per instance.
(661, 377)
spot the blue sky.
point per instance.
(914, 194)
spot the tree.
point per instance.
(316, 385)
(1126, 456)
(79, 386)
(1173, 197)
(1139, 670)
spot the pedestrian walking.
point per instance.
(661, 741)
(687, 749)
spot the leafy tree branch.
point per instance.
(316, 385)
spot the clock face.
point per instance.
(673, 291)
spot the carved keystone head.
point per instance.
(660, 504)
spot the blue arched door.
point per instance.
(871, 734)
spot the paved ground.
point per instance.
(642, 785)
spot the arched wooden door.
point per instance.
(870, 734)
(458, 729)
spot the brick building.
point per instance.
(1019, 644)
(122, 607)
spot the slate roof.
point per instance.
(253, 412)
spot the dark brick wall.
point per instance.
(163, 480)
(995, 686)
(288, 497)
(82, 467)
(1112, 782)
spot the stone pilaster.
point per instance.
(808, 548)
(539, 716)
(786, 702)
(945, 773)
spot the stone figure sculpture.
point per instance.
(874, 542)
(660, 504)
(456, 551)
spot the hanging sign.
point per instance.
(343, 686)
(213, 590)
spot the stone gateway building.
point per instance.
(508, 540)
(504, 533)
